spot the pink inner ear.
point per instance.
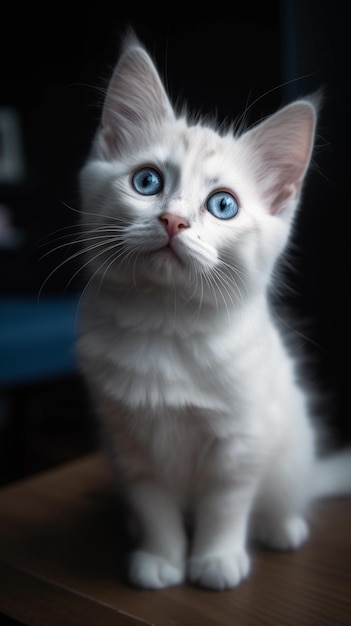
(286, 180)
(282, 146)
(136, 103)
(281, 197)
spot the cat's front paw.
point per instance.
(151, 571)
(219, 572)
(287, 534)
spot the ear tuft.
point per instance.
(281, 147)
(136, 102)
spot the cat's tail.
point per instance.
(332, 476)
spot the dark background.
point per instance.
(54, 65)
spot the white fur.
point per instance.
(196, 392)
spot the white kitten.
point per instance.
(196, 393)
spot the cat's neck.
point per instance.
(149, 307)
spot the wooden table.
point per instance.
(62, 555)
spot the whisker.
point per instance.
(109, 262)
(237, 274)
(74, 235)
(220, 282)
(193, 279)
(75, 255)
(84, 237)
(115, 244)
(240, 121)
(198, 278)
(99, 214)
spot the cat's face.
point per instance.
(179, 204)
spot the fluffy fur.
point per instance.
(195, 390)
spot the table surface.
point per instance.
(62, 556)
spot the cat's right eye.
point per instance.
(147, 181)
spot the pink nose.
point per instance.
(173, 223)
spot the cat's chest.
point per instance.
(154, 368)
(146, 365)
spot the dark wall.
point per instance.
(316, 47)
(54, 66)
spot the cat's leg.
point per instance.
(219, 558)
(159, 560)
(278, 519)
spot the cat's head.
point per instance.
(170, 202)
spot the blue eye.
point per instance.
(147, 181)
(222, 205)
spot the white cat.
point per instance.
(196, 392)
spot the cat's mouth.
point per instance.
(169, 252)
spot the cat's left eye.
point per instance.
(147, 181)
(223, 205)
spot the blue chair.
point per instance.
(37, 344)
(37, 338)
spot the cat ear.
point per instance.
(281, 148)
(136, 102)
